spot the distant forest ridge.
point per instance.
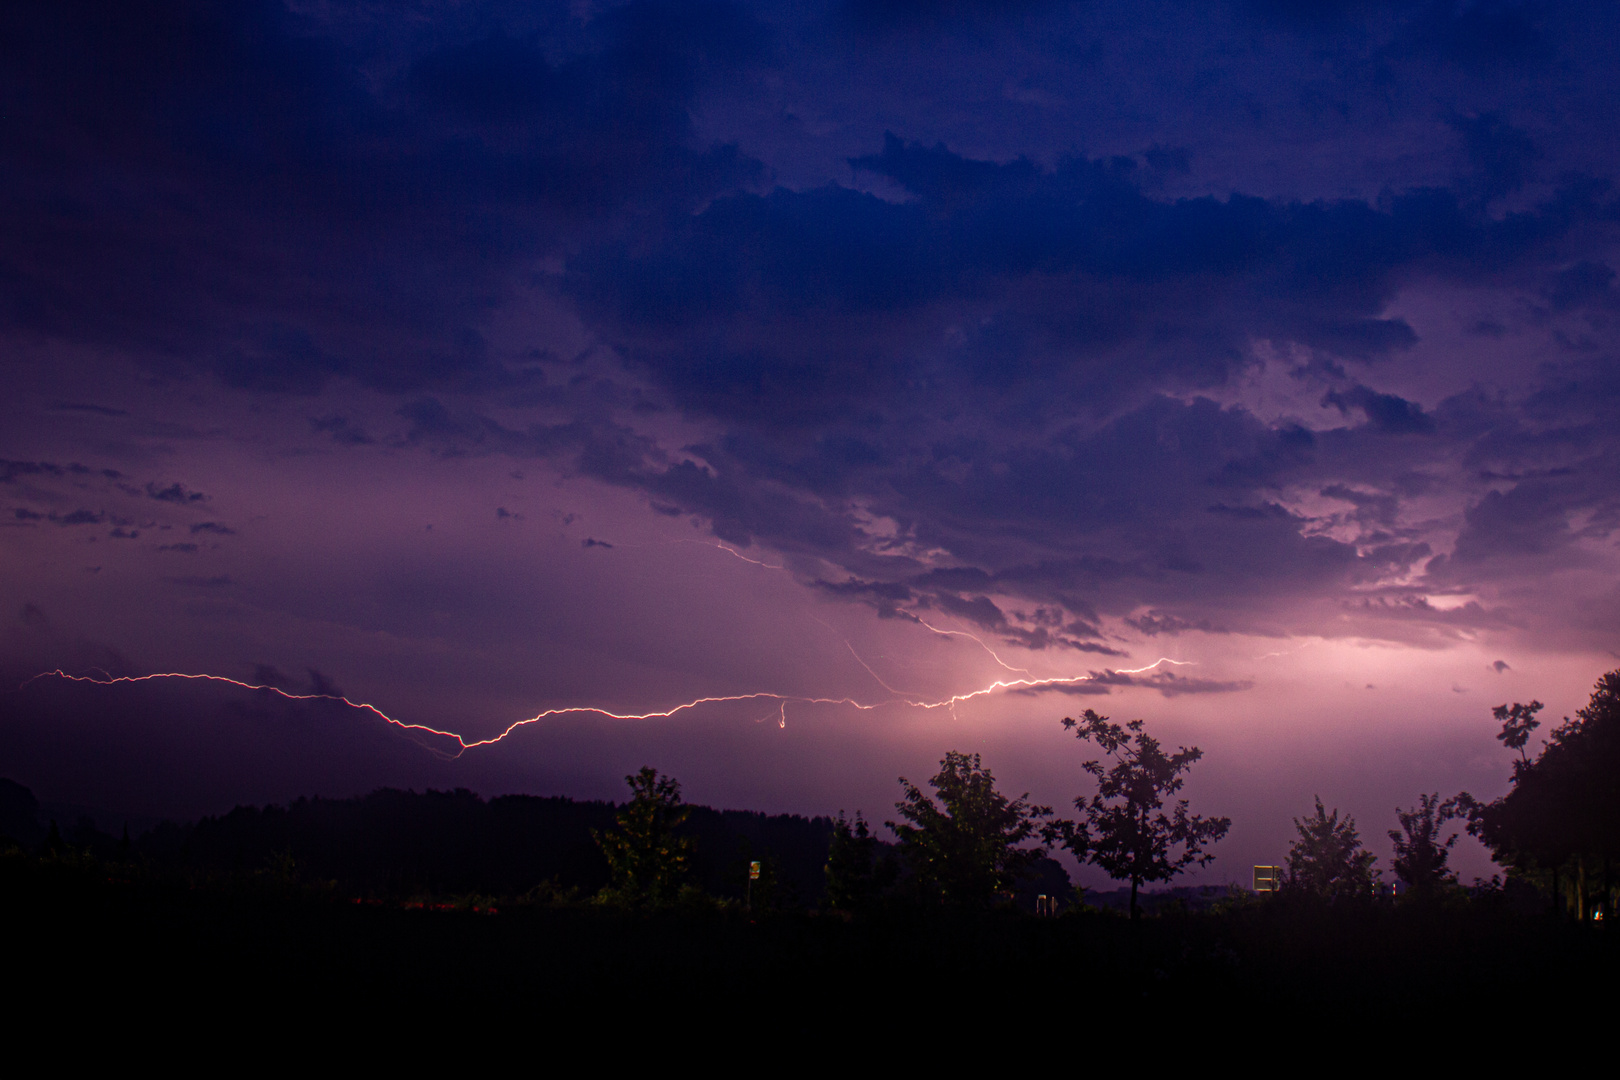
(394, 843)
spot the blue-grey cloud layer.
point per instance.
(953, 361)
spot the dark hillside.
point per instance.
(400, 843)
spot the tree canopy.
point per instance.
(1562, 813)
(1125, 830)
(857, 872)
(646, 860)
(1420, 854)
(1327, 861)
(965, 850)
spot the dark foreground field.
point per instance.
(128, 950)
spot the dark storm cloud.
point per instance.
(11, 470)
(951, 381)
(1585, 284)
(936, 590)
(175, 493)
(1551, 468)
(892, 16)
(257, 202)
(1167, 505)
(1385, 412)
(892, 591)
(322, 685)
(1502, 155)
(1167, 683)
(270, 675)
(1066, 267)
(1480, 36)
(1483, 36)
(342, 430)
(79, 517)
(1372, 507)
(1154, 623)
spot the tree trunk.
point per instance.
(1133, 898)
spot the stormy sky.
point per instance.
(476, 360)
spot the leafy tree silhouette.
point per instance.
(1517, 724)
(965, 850)
(857, 873)
(1328, 861)
(1420, 854)
(647, 862)
(1562, 815)
(1125, 831)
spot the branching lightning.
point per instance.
(982, 645)
(463, 744)
(869, 670)
(733, 552)
(1284, 652)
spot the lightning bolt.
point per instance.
(869, 670)
(733, 552)
(982, 645)
(1284, 652)
(463, 744)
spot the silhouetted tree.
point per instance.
(1125, 831)
(646, 860)
(1328, 861)
(1517, 724)
(856, 871)
(965, 850)
(1562, 815)
(1420, 854)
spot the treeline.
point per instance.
(441, 844)
(962, 844)
(1556, 832)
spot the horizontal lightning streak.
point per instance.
(464, 745)
(1284, 652)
